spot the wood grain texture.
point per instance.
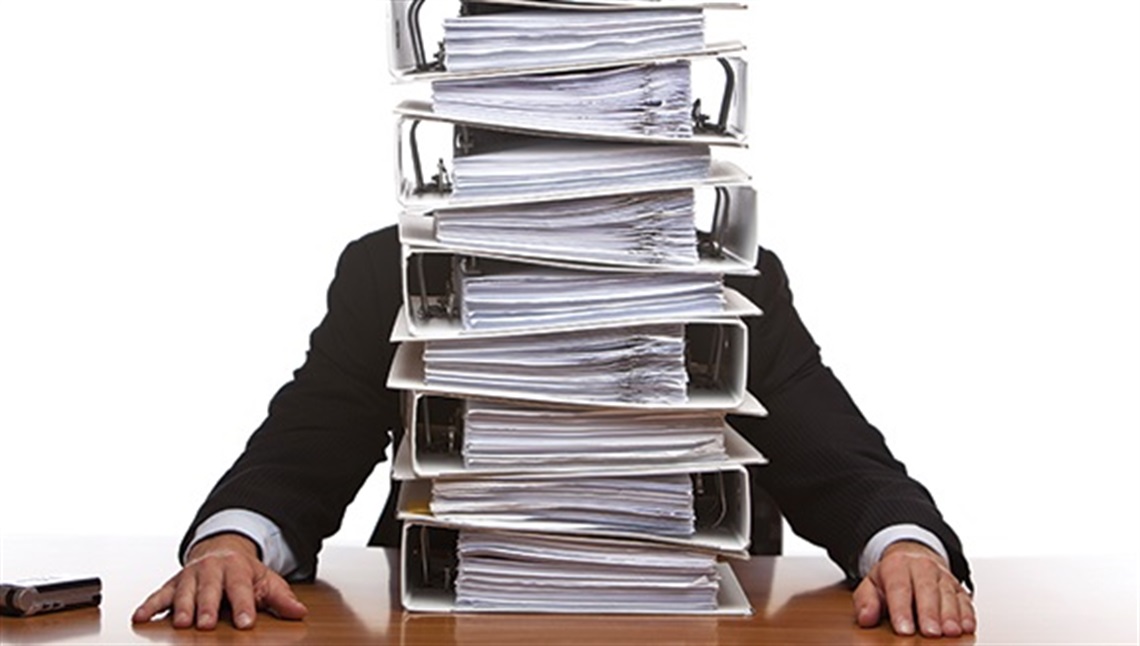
(798, 600)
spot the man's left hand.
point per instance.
(911, 579)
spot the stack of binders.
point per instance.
(568, 348)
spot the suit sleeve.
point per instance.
(328, 427)
(829, 470)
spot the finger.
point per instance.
(900, 600)
(184, 594)
(966, 612)
(868, 604)
(280, 600)
(927, 599)
(158, 601)
(948, 605)
(209, 596)
(239, 590)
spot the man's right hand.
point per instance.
(222, 566)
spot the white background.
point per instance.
(953, 187)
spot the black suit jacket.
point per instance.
(830, 471)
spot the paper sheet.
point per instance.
(497, 295)
(530, 572)
(656, 228)
(535, 38)
(650, 99)
(497, 434)
(641, 363)
(534, 165)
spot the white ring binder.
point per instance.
(566, 340)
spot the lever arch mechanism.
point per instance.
(700, 120)
(433, 550)
(711, 243)
(415, 32)
(710, 499)
(439, 425)
(413, 23)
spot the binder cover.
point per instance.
(419, 595)
(410, 60)
(733, 234)
(415, 199)
(433, 166)
(731, 133)
(725, 343)
(414, 460)
(420, 319)
(730, 537)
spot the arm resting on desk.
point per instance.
(830, 471)
(327, 428)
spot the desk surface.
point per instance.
(797, 600)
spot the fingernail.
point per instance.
(904, 627)
(244, 620)
(968, 625)
(932, 628)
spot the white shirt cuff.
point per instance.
(275, 552)
(873, 550)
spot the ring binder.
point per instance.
(720, 508)
(409, 59)
(542, 169)
(728, 246)
(430, 556)
(450, 295)
(569, 351)
(438, 444)
(603, 111)
(715, 375)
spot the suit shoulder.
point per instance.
(376, 249)
(383, 240)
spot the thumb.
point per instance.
(280, 601)
(868, 603)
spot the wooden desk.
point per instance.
(797, 600)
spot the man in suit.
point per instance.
(830, 472)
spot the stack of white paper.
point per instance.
(559, 294)
(503, 571)
(639, 364)
(536, 166)
(497, 434)
(660, 505)
(651, 99)
(531, 39)
(655, 228)
(499, 296)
